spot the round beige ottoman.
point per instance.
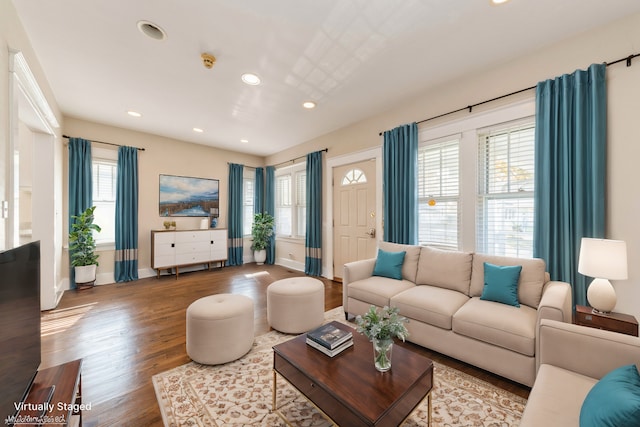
(295, 305)
(219, 328)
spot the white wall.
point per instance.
(608, 43)
(14, 38)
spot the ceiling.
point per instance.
(354, 58)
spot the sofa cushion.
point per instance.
(412, 253)
(377, 290)
(429, 304)
(501, 283)
(555, 398)
(445, 269)
(513, 328)
(614, 400)
(532, 276)
(389, 264)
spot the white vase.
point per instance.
(260, 256)
(85, 274)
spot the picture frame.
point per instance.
(184, 196)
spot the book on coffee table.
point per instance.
(328, 352)
(329, 336)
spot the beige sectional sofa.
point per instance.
(572, 359)
(440, 295)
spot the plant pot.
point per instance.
(382, 354)
(260, 256)
(85, 276)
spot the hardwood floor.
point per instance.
(126, 333)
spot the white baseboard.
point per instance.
(294, 265)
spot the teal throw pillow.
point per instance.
(501, 284)
(614, 400)
(389, 264)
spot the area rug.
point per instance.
(239, 393)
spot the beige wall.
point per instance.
(175, 157)
(608, 43)
(161, 156)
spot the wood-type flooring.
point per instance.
(126, 333)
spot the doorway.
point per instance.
(354, 213)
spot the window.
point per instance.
(354, 176)
(105, 174)
(248, 192)
(438, 194)
(291, 202)
(505, 191)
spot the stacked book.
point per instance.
(329, 339)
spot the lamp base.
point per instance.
(601, 296)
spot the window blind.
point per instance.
(247, 205)
(283, 205)
(105, 175)
(438, 194)
(301, 203)
(505, 191)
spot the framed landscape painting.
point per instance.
(187, 196)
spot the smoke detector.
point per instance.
(208, 60)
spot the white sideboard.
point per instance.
(178, 248)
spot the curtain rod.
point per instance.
(108, 143)
(627, 59)
(281, 163)
(297, 158)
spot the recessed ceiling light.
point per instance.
(244, 141)
(198, 130)
(309, 105)
(151, 30)
(251, 79)
(134, 114)
(497, 2)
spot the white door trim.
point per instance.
(372, 153)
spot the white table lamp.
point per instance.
(602, 259)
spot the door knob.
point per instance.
(371, 232)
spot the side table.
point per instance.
(616, 322)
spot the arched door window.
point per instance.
(354, 176)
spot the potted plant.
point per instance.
(82, 248)
(381, 328)
(262, 230)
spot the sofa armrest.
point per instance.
(587, 351)
(555, 303)
(354, 271)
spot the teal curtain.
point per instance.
(570, 171)
(236, 241)
(270, 208)
(313, 235)
(80, 184)
(399, 184)
(126, 255)
(258, 194)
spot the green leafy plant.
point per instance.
(384, 325)
(381, 328)
(262, 230)
(82, 245)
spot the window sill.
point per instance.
(104, 247)
(289, 239)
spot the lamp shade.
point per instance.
(603, 258)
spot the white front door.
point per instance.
(354, 214)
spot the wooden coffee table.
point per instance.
(347, 388)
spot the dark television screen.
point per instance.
(19, 324)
